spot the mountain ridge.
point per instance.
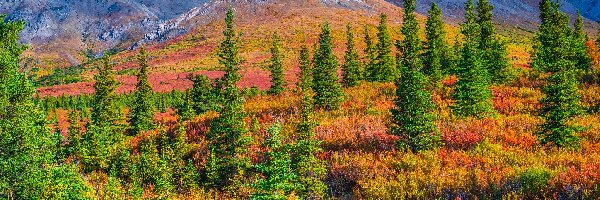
(63, 27)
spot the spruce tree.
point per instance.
(472, 95)
(186, 109)
(579, 37)
(555, 53)
(279, 181)
(103, 137)
(413, 117)
(74, 135)
(579, 32)
(493, 49)
(370, 55)
(306, 76)
(328, 92)
(351, 67)
(105, 111)
(311, 171)
(228, 53)
(227, 138)
(141, 117)
(276, 68)
(435, 56)
(385, 68)
(202, 94)
(28, 165)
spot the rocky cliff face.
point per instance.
(107, 23)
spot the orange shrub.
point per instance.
(516, 100)
(357, 133)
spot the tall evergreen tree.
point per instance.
(28, 166)
(413, 116)
(579, 32)
(306, 75)
(103, 137)
(555, 53)
(277, 79)
(202, 94)
(351, 67)
(435, 58)
(104, 108)
(141, 117)
(74, 135)
(227, 138)
(385, 68)
(328, 92)
(229, 54)
(473, 97)
(310, 169)
(186, 109)
(370, 55)
(279, 181)
(579, 37)
(493, 49)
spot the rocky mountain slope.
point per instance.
(56, 28)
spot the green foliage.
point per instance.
(561, 104)
(75, 136)
(113, 189)
(370, 59)
(579, 33)
(277, 180)
(228, 54)
(584, 62)
(472, 95)
(162, 160)
(67, 183)
(555, 52)
(329, 94)
(413, 116)
(28, 169)
(311, 171)
(228, 141)
(534, 180)
(351, 68)
(103, 136)
(99, 144)
(410, 48)
(60, 76)
(227, 138)
(454, 58)
(277, 80)
(105, 112)
(141, 117)
(203, 95)
(385, 68)
(306, 75)
(493, 50)
(436, 59)
(186, 110)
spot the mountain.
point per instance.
(60, 26)
(58, 29)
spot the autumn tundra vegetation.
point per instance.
(415, 118)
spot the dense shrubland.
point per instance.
(433, 121)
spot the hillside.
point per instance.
(59, 29)
(202, 102)
(296, 21)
